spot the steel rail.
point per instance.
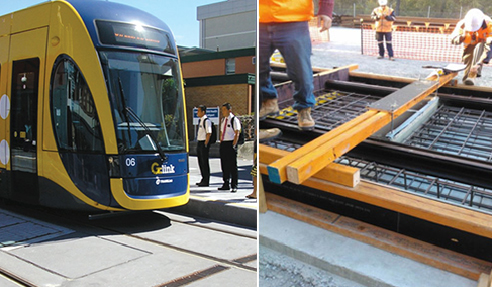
(16, 279)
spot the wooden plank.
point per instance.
(311, 160)
(483, 281)
(337, 173)
(314, 161)
(382, 77)
(263, 207)
(393, 242)
(277, 171)
(394, 199)
(414, 205)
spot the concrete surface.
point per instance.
(344, 49)
(349, 258)
(225, 206)
(277, 269)
(135, 249)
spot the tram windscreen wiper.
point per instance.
(147, 132)
(129, 111)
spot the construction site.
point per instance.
(393, 186)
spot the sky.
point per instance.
(179, 15)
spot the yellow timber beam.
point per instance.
(337, 173)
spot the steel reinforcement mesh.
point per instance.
(457, 131)
(442, 189)
(424, 185)
(332, 109)
(415, 43)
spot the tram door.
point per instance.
(26, 51)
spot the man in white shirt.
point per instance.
(203, 146)
(230, 126)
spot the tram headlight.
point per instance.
(114, 166)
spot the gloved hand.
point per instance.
(458, 39)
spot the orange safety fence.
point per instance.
(415, 43)
(316, 36)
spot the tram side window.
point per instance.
(75, 119)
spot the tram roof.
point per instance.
(91, 10)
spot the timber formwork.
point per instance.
(434, 183)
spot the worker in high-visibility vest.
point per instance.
(384, 17)
(284, 26)
(475, 33)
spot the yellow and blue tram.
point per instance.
(92, 110)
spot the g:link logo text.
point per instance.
(163, 169)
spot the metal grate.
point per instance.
(283, 145)
(457, 131)
(446, 190)
(332, 109)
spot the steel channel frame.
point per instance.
(471, 172)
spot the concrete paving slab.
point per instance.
(28, 271)
(241, 279)
(351, 259)
(216, 244)
(79, 257)
(16, 230)
(153, 270)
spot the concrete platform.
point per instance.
(349, 258)
(225, 206)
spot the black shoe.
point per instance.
(202, 184)
(234, 189)
(224, 187)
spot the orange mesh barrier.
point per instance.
(316, 36)
(415, 43)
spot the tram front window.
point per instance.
(147, 101)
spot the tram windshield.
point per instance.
(147, 101)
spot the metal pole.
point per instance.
(354, 10)
(361, 36)
(428, 12)
(461, 11)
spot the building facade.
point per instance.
(228, 25)
(212, 79)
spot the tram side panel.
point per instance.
(5, 189)
(68, 39)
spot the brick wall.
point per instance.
(239, 96)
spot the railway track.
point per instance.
(8, 279)
(135, 230)
(418, 185)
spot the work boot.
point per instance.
(469, 82)
(269, 134)
(391, 58)
(304, 120)
(268, 108)
(380, 57)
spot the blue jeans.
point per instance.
(294, 43)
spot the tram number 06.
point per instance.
(130, 162)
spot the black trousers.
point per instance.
(228, 163)
(202, 153)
